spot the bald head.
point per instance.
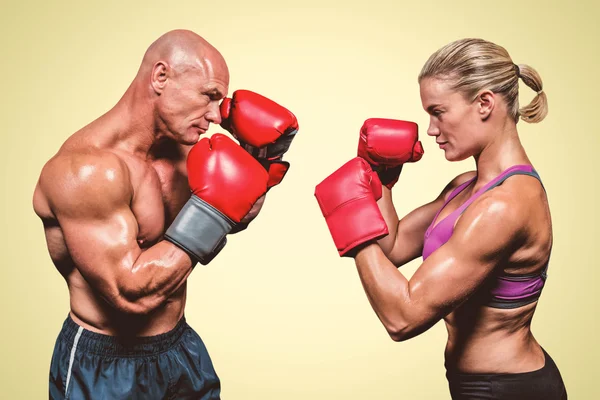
(182, 79)
(183, 50)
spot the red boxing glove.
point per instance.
(348, 201)
(387, 144)
(264, 128)
(225, 176)
(225, 182)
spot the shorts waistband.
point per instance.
(452, 375)
(121, 346)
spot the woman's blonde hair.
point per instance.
(472, 65)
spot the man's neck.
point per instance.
(133, 124)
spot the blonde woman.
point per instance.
(485, 241)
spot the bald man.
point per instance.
(106, 200)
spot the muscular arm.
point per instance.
(405, 240)
(90, 196)
(483, 237)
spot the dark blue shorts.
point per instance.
(173, 365)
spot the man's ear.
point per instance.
(159, 76)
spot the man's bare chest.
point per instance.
(160, 190)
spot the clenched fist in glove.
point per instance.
(264, 128)
(387, 144)
(348, 201)
(225, 182)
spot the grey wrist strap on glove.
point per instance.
(273, 150)
(200, 230)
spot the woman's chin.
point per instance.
(451, 156)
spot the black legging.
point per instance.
(544, 384)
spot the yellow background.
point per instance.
(281, 314)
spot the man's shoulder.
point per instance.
(75, 178)
(83, 165)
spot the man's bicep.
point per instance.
(90, 196)
(102, 247)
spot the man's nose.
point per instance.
(214, 114)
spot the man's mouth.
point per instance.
(200, 129)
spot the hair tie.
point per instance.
(540, 92)
(517, 70)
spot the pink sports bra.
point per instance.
(504, 291)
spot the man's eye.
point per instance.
(436, 113)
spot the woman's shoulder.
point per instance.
(457, 181)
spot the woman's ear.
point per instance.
(486, 101)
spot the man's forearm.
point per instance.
(155, 275)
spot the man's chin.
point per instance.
(190, 139)
(190, 142)
(193, 135)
